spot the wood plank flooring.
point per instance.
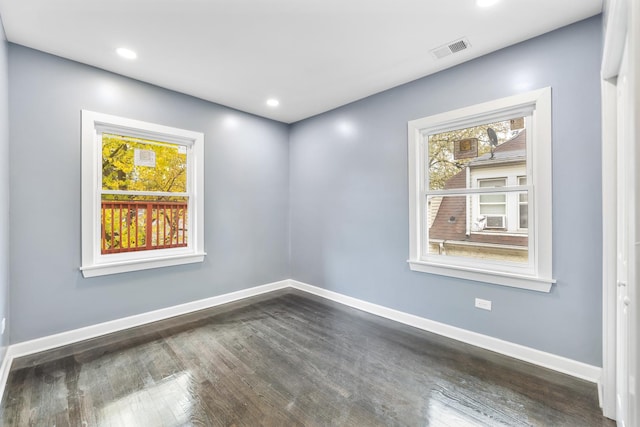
(288, 359)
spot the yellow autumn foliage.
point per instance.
(120, 171)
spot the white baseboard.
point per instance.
(88, 332)
(69, 337)
(517, 351)
(537, 357)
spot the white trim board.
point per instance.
(517, 351)
(536, 357)
(76, 335)
(4, 370)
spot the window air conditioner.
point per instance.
(495, 221)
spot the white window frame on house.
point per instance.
(94, 263)
(521, 203)
(479, 203)
(536, 275)
(511, 201)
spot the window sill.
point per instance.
(139, 264)
(520, 233)
(532, 283)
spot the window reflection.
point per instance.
(167, 402)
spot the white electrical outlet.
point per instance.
(2, 326)
(483, 304)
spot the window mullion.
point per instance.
(476, 190)
(145, 193)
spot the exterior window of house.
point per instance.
(523, 206)
(140, 187)
(493, 207)
(471, 173)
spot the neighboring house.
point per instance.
(493, 226)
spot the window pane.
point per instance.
(524, 215)
(493, 198)
(134, 164)
(523, 207)
(493, 204)
(483, 226)
(489, 146)
(138, 223)
(522, 180)
(492, 209)
(454, 231)
(492, 183)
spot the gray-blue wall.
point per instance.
(334, 187)
(4, 187)
(246, 197)
(349, 198)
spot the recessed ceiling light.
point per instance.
(126, 53)
(486, 3)
(273, 102)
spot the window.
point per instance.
(523, 205)
(492, 207)
(141, 195)
(473, 176)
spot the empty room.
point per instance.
(337, 213)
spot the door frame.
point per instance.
(621, 22)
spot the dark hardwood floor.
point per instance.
(288, 359)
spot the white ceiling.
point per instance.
(312, 55)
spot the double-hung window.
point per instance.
(142, 201)
(480, 192)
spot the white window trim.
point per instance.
(93, 262)
(537, 276)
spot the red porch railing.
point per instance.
(129, 226)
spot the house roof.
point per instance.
(512, 151)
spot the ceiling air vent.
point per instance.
(449, 48)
